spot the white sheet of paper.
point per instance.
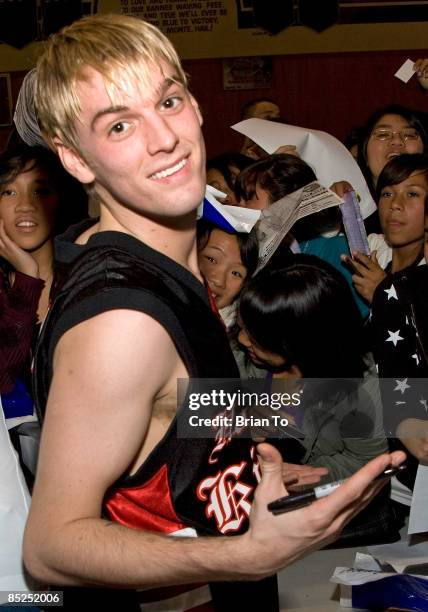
(367, 569)
(406, 71)
(247, 216)
(14, 503)
(410, 551)
(210, 190)
(366, 562)
(242, 219)
(329, 158)
(351, 576)
(418, 519)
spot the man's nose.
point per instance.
(160, 134)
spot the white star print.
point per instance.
(402, 385)
(391, 293)
(424, 403)
(394, 337)
(416, 358)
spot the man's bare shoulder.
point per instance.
(113, 352)
(108, 372)
(115, 342)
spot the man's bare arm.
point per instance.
(108, 372)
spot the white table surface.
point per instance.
(305, 585)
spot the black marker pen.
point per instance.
(299, 500)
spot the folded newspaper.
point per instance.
(277, 220)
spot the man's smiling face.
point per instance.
(145, 150)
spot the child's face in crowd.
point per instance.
(221, 265)
(266, 110)
(401, 210)
(28, 206)
(259, 201)
(217, 180)
(259, 356)
(380, 149)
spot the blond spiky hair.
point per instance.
(122, 49)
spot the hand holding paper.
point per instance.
(328, 157)
(409, 68)
(421, 67)
(406, 71)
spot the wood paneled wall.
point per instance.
(334, 92)
(331, 92)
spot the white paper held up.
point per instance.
(14, 504)
(329, 158)
(418, 519)
(406, 71)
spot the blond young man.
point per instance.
(113, 100)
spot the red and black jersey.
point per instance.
(184, 483)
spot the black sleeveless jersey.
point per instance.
(184, 483)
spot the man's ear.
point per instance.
(73, 163)
(197, 109)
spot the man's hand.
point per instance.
(413, 433)
(19, 259)
(421, 68)
(295, 476)
(368, 273)
(277, 541)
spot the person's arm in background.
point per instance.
(368, 274)
(352, 436)
(18, 308)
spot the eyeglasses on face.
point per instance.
(408, 134)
